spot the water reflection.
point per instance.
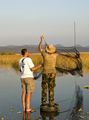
(50, 115)
(76, 104)
(10, 96)
(26, 116)
(44, 115)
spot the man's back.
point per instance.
(49, 62)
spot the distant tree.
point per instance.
(11, 53)
(8, 53)
(4, 53)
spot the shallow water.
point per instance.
(10, 96)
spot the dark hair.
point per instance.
(23, 51)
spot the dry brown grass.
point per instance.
(12, 60)
(85, 60)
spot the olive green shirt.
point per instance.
(49, 61)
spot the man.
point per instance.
(49, 72)
(26, 68)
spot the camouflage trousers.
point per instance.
(48, 81)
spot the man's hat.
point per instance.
(50, 48)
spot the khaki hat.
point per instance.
(50, 48)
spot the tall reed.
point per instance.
(12, 60)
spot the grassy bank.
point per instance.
(12, 60)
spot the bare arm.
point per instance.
(40, 49)
(37, 67)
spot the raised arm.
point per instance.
(40, 49)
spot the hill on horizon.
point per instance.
(34, 48)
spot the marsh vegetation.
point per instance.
(12, 60)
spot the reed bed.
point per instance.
(12, 60)
(85, 61)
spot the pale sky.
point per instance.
(22, 22)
